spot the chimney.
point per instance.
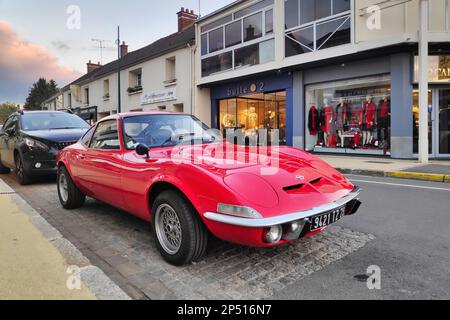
(186, 18)
(123, 49)
(92, 66)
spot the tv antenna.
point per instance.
(101, 46)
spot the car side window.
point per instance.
(87, 137)
(106, 136)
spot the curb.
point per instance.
(94, 278)
(399, 174)
(420, 176)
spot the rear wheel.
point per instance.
(69, 195)
(22, 175)
(179, 232)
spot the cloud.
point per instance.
(22, 63)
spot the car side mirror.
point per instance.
(142, 150)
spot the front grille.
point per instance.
(62, 145)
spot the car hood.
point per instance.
(63, 135)
(283, 178)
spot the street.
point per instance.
(402, 228)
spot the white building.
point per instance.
(333, 76)
(156, 77)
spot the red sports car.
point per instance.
(173, 171)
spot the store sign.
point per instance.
(247, 89)
(438, 69)
(159, 96)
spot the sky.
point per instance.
(53, 38)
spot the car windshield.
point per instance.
(52, 121)
(165, 130)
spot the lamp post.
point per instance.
(423, 84)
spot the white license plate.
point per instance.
(324, 220)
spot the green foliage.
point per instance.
(39, 92)
(5, 110)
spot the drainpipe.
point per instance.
(192, 50)
(423, 84)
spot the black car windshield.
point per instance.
(165, 131)
(52, 121)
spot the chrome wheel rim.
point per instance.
(168, 229)
(63, 187)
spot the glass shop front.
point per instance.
(349, 116)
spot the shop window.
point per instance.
(269, 22)
(351, 116)
(216, 64)
(253, 27)
(216, 40)
(254, 112)
(254, 54)
(233, 34)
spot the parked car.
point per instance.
(162, 167)
(30, 141)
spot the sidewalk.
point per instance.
(438, 171)
(34, 258)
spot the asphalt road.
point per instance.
(409, 219)
(411, 222)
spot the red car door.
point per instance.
(99, 167)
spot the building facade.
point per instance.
(156, 77)
(333, 76)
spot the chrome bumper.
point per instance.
(279, 220)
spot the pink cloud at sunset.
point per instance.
(22, 63)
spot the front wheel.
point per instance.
(179, 232)
(69, 195)
(22, 175)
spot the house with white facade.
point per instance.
(156, 77)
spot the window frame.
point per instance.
(95, 131)
(265, 36)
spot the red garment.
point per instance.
(370, 110)
(329, 119)
(384, 109)
(358, 114)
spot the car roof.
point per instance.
(137, 114)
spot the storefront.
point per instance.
(263, 103)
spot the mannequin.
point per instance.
(341, 120)
(330, 119)
(370, 110)
(383, 121)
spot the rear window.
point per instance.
(52, 121)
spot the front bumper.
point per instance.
(40, 162)
(351, 201)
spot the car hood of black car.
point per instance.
(60, 135)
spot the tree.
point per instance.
(39, 92)
(6, 109)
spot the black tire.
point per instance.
(23, 177)
(194, 236)
(74, 199)
(3, 169)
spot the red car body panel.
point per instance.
(125, 180)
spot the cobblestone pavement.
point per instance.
(123, 247)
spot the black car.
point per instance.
(30, 141)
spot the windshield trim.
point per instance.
(204, 126)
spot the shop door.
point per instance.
(441, 123)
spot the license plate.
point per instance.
(324, 220)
